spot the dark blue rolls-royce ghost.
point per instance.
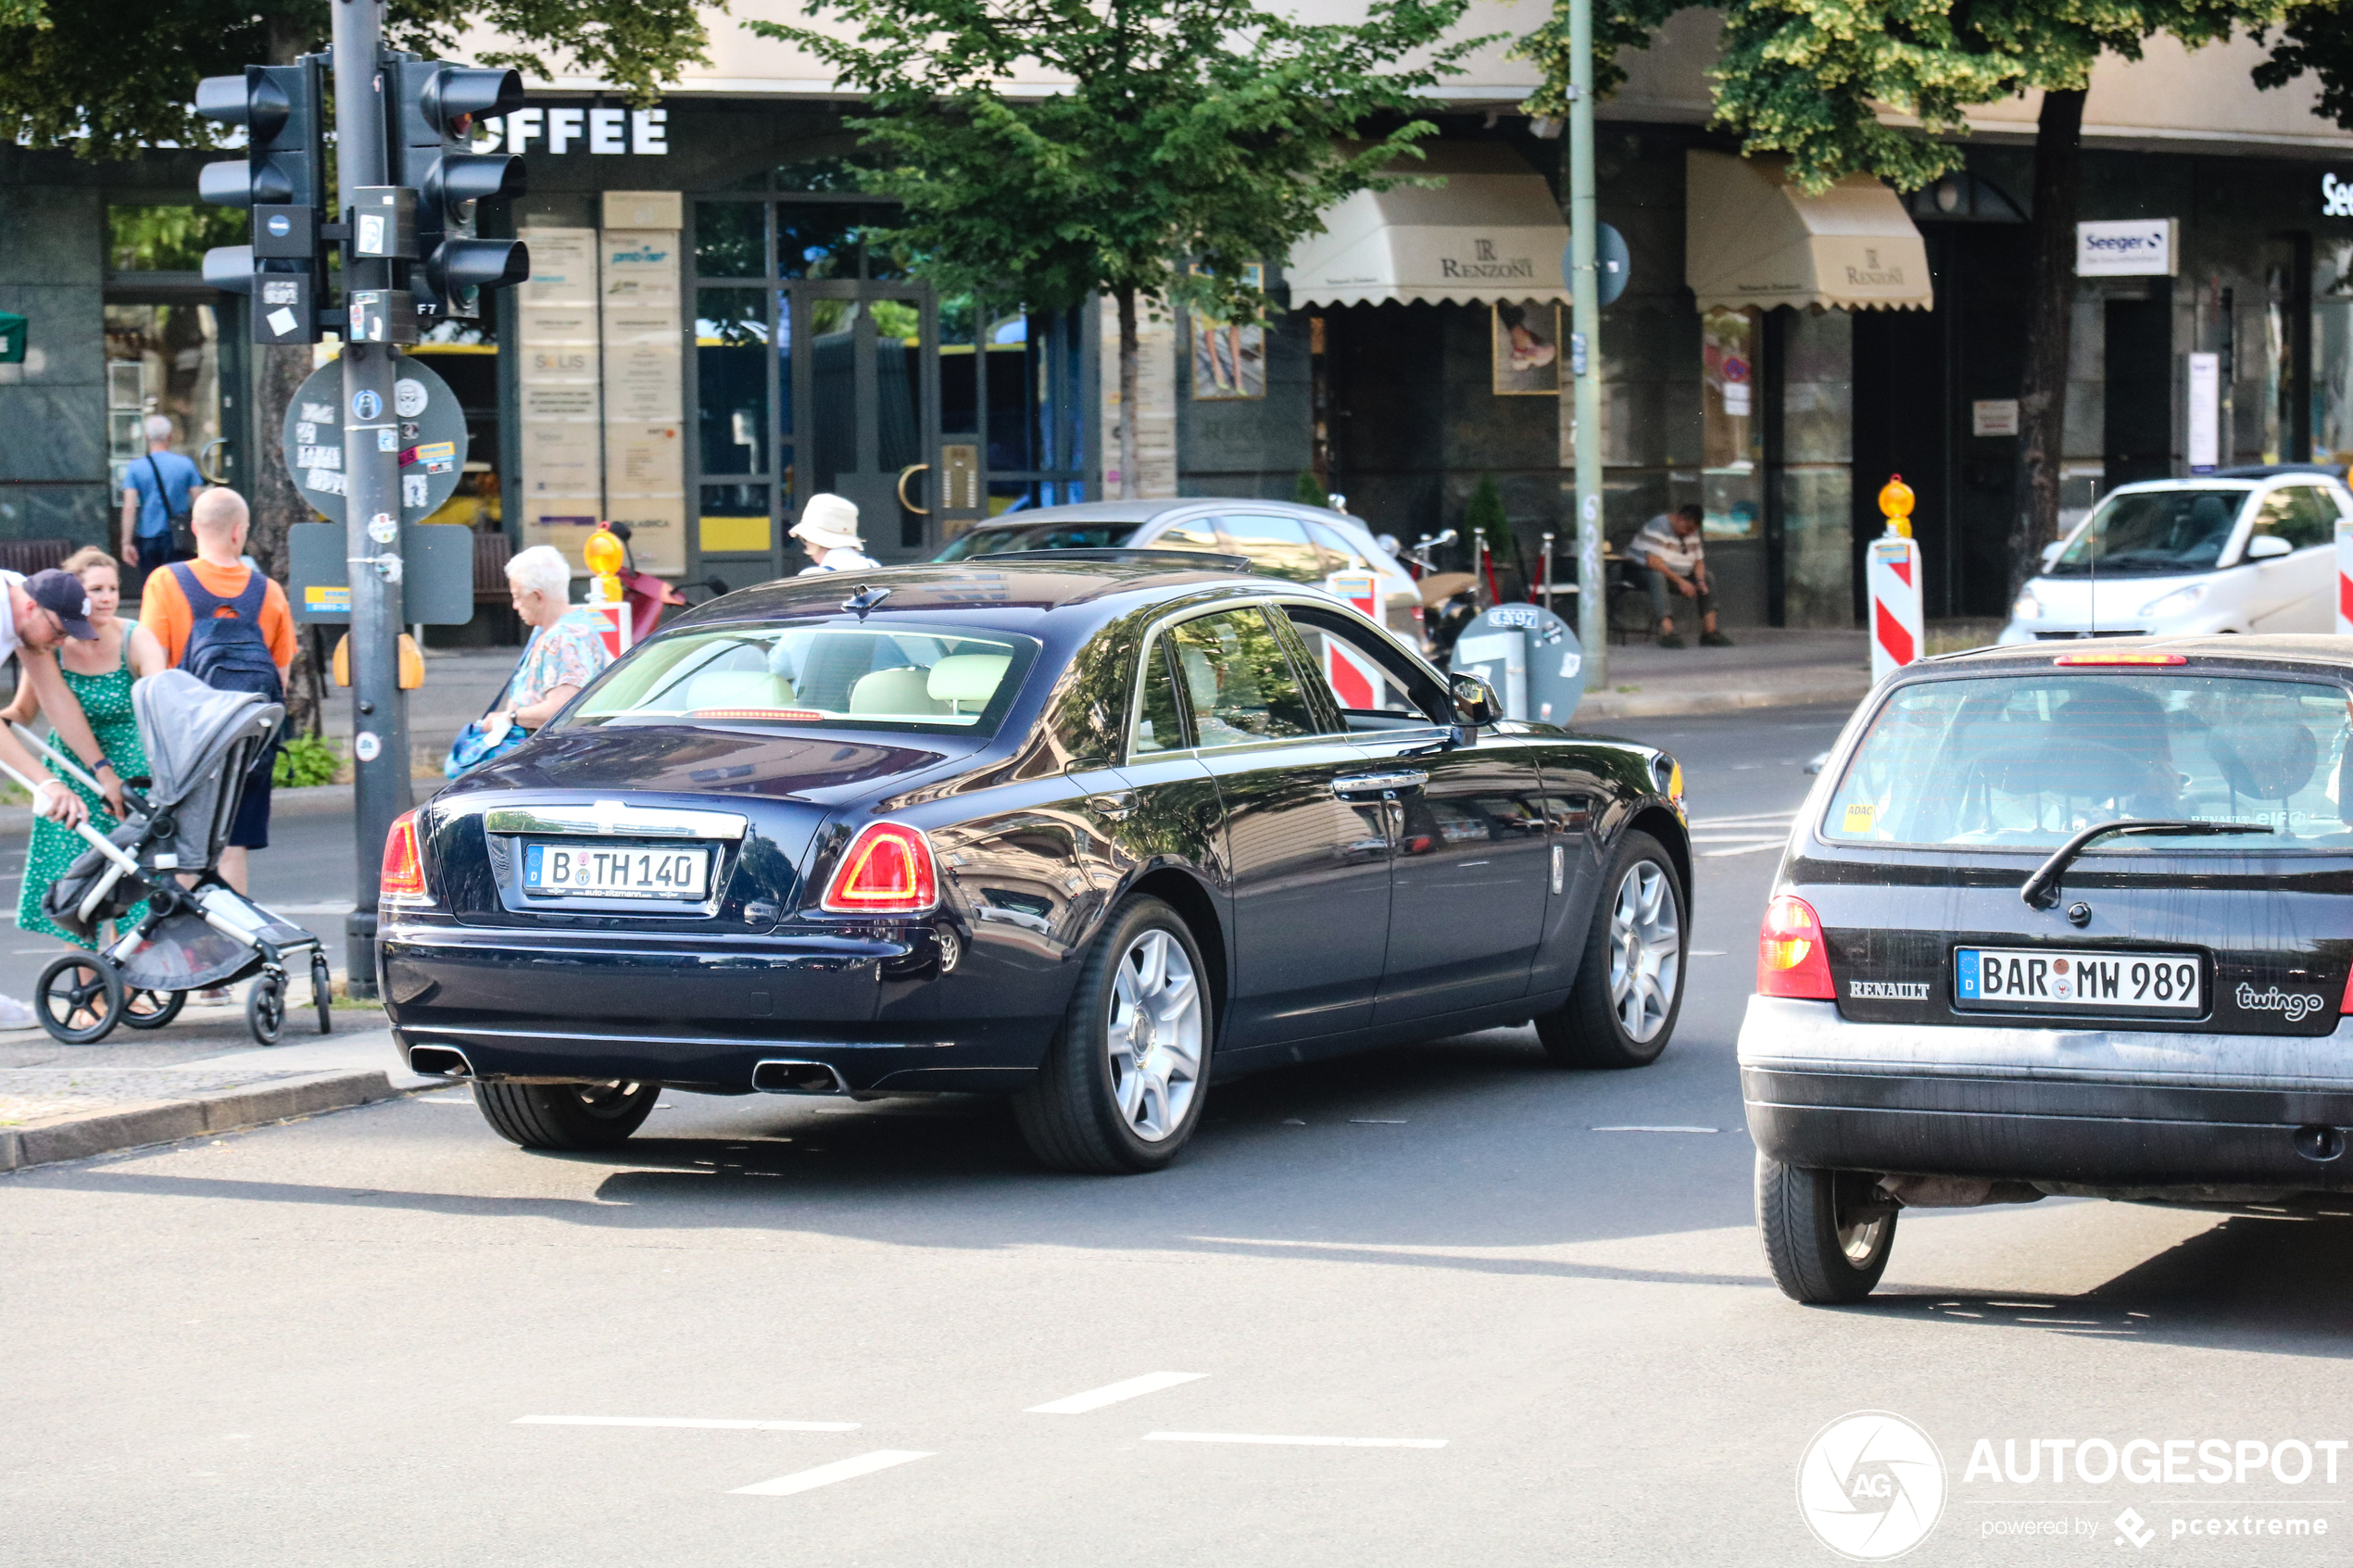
(1090, 830)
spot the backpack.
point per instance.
(179, 525)
(228, 652)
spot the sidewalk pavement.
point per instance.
(200, 1075)
(1766, 668)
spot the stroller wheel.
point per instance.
(152, 1010)
(322, 991)
(266, 1006)
(80, 999)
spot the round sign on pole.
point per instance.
(425, 426)
(1613, 264)
(1532, 659)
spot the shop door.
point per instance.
(864, 362)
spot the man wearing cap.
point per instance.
(36, 613)
(828, 531)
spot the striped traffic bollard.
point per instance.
(1892, 576)
(2345, 577)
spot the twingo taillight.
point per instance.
(404, 869)
(887, 870)
(1791, 957)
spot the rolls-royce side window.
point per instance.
(1238, 683)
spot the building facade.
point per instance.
(710, 336)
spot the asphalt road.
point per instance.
(786, 1332)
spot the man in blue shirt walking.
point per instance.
(156, 488)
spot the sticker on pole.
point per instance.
(430, 447)
(366, 747)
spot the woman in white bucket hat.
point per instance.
(828, 531)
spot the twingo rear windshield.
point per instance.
(2024, 761)
(829, 675)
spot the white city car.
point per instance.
(2241, 550)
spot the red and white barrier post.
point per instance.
(2345, 577)
(1899, 634)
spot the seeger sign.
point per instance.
(2128, 247)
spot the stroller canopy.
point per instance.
(199, 742)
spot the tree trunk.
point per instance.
(2041, 394)
(1129, 489)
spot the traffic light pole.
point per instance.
(372, 503)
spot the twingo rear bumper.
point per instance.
(699, 1013)
(2124, 1112)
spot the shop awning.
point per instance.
(1750, 237)
(1492, 232)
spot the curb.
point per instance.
(1637, 705)
(78, 1135)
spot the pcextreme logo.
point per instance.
(1871, 1486)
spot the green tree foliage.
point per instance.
(1198, 137)
(2316, 37)
(107, 77)
(1310, 492)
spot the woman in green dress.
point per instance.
(98, 676)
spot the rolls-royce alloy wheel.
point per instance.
(572, 1117)
(1629, 984)
(1122, 1086)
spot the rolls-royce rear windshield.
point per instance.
(830, 675)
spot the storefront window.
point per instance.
(817, 242)
(731, 366)
(169, 239)
(2332, 352)
(731, 239)
(1731, 463)
(161, 360)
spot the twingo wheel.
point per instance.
(152, 1010)
(322, 991)
(79, 998)
(1630, 985)
(572, 1117)
(1123, 1085)
(266, 1006)
(1827, 1233)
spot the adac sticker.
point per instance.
(1860, 818)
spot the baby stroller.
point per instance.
(200, 744)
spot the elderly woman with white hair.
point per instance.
(567, 647)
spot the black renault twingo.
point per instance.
(2059, 918)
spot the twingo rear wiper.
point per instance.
(2042, 889)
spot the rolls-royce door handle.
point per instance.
(1116, 805)
(1394, 782)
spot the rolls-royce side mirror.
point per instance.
(2268, 546)
(1475, 707)
(2051, 553)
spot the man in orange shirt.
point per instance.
(247, 630)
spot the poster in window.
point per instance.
(1229, 360)
(1526, 348)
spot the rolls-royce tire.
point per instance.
(1122, 1086)
(1629, 986)
(570, 1118)
(1827, 1233)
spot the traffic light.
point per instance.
(435, 108)
(282, 180)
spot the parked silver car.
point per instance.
(1280, 538)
